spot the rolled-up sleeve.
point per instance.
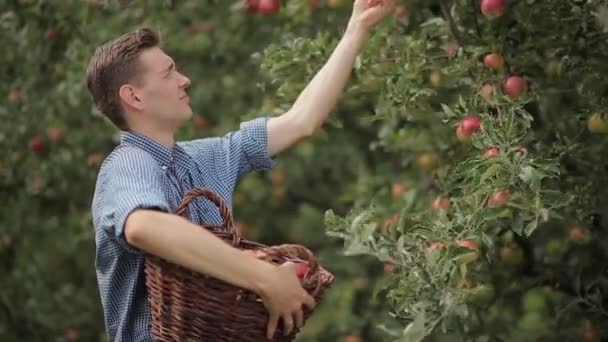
(132, 180)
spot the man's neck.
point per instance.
(163, 137)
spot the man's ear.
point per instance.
(128, 95)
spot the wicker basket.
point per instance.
(189, 306)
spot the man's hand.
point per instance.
(367, 13)
(283, 297)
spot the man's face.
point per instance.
(163, 92)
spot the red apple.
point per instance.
(578, 234)
(498, 199)
(470, 256)
(436, 246)
(52, 33)
(13, 96)
(452, 48)
(267, 7)
(37, 144)
(55, 133)
(251, 5)
(397, 189)
(440, 203)
(515, 86)
(200, 122)
(493, 61)
(301, 269)
(493, 8)
(471, 124)
(491, 152)
(388, 268)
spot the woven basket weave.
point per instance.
(189, 306)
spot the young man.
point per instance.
(137, 86)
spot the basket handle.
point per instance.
(297, 252)
(227, 223)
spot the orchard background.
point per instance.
(458, 191)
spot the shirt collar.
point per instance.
(162, 154)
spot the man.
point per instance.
(137, 86)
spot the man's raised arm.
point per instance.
(317, 100)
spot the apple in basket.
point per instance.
(301, 269)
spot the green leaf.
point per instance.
(415, 332)
(532, 177)
(530, 228)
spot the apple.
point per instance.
(435, 78)
(515, 86)
(13, 96)
(52, 33)
(388, 268)
(452, 48)
(301, 269)
(37, 184)
(595, 124)
(481, 295)
(200, 122)
(491, 152)
(37, 144)
(578, 234)
(427, 161)
(467, 127)
(470, 256)
(471, 124)
(55, 133)
(335, 3)
(498, 198)
(436, 246)
(397, 189)
(7, 240)
(267, 7)
(440, 203)
(352, 338)
(589, 333)
(94, 159)
(72, 335)
(390, 221)
(487, 91)
(493, 61)
(512, 255)
(251, 5)
(493, 8)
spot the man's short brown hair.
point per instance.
(114, 64)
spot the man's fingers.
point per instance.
(299, 315)
(272, 325)
(309, 301)
(287, 324)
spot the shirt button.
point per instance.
(164, 167)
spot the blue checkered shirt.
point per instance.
(141, 173)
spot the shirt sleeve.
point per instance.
(237, 152)
(133, 180)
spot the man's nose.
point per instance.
(185, 82)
